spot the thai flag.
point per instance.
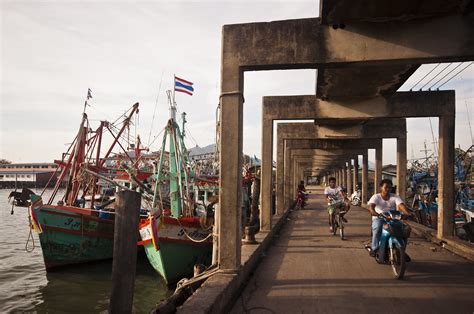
(183, 86)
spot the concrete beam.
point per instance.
(325, 153)
(283, 186)
(298, 164)
(309, 160)
(400, 105)
(306, 43)
(370, 129)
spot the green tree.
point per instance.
(4, 162)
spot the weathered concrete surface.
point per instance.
(446, 176)
(399, 105)
(283, 178)
(307, 270)
(219, 292)
(335, 12)
(402, 167)
(305, 43)
(290, 182)
(381, 128)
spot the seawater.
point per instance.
(26, 287)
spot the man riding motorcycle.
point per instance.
(302, 192)
(335, 197)
(379, 203)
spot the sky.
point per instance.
(52, 51)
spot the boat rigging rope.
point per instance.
(237, 92)
(191, 238)
(30, 236)
(154, 111)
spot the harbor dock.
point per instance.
(308, 270)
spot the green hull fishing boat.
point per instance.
(79, 228)
(177, 238)
(71, 235)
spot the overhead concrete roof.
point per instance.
(349, 11)
(370, 81)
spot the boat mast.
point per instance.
(174, 173)
(77, 160)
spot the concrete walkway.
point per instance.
(307, 270)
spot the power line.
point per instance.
(435, 76)
(456, 74)
(445, 75)
(413, 87)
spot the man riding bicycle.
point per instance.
(335, 197)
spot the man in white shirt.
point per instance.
(335, 197)
(379, 203)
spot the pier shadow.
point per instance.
(307, 270)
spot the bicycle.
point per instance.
(337, 221)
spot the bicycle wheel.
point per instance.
(334, 225)
(341, 227)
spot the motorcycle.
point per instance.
(393, 242)
(356, 198)
(301, 199)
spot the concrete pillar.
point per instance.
(287, 177)
(344, 175)
(446, 176)
(365, 178)
(349, 177)
(266, 186)
(356, 171)
(378, 168)
(279, 197)
(230, 149)
(402, 167)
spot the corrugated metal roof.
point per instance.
(24, 171)
(196, 151)
(31, 164)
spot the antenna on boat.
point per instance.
(89, 96)
(172, 105)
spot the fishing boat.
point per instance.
(179, 237)
(79, 227)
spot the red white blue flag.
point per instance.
(183, 86)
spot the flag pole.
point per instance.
(85, 102)
(174, 89)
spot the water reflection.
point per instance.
(86, 289)
(26, 287)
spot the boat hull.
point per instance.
(170, 250)
(71, 235)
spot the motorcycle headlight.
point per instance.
(396, 216)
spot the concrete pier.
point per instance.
(307, 270)
(360, 68)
